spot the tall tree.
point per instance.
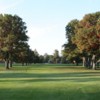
(70, 49)
(36, 56)
(56, 56)
(87, 36)
(12, 33)
(46, 58)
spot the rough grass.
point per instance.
(49, 82)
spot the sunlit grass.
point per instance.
(49, 82)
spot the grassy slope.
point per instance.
(49, 82)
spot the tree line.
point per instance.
(14, 43)
(83, 40)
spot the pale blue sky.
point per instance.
(46, 19)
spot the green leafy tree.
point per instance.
(56, 56)
(22, 53)
(51, 59)
(46, 58)
(36, 56)
(12, 33)
(70, 49)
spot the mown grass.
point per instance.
(49, 82)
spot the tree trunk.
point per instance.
(10, 63)
(84, 61)
(94, 66)
(93, 62)
(7, 64)
(88, 62)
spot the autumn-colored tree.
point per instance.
(84, 39)
(87, 36)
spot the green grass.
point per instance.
(49, 82)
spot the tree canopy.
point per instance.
(83, 37)
(12, 34)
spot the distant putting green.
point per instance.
(49, 82)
